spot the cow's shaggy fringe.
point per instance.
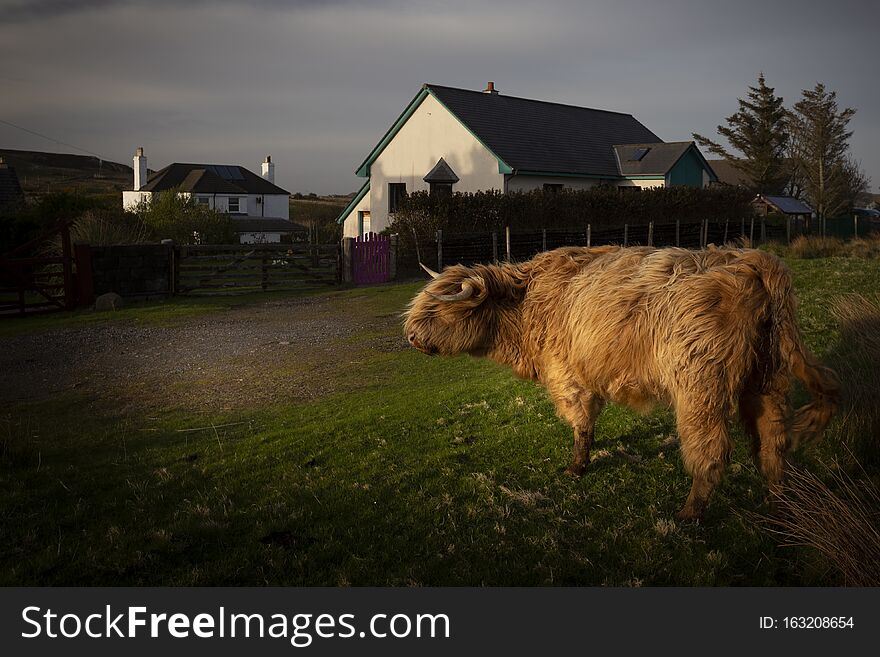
(840, 519)
(711, 333)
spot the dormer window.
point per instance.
(440, 179)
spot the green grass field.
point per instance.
(416, 471)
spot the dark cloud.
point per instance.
(316, 84)
(13, 11)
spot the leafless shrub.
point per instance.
(839, 519)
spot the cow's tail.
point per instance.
(810, 420)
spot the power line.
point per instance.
(57, 141)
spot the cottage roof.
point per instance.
(651, 158)
(533, 136)
(210, 179)
(786, 204)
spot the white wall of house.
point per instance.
(131, 199)
(271, 205)
(429, 134)
(522, 183)
(644, 184)
(351, 224)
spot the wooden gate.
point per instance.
(33, 281)
(371, 259)
(239, 268)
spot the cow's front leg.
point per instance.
(582, 412)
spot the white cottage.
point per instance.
(459, 140)
(259, 207)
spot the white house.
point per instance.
(259, 207)
(462, 140)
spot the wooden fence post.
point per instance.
(507, 238)
(788, 229)
(495, 246)
(67, 257)
(752, 231)
(439, 250)
(625, 234)
(677, 232)
(763, 230)
(855, 226)
(650, 233)
(392, 258)
(726, 221)
(264, 282)
(348, 260)
(85, 281)
(543, 239)
(589, 235)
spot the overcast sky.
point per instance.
(317, 84)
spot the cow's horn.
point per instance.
(431, 272)
(467, 291)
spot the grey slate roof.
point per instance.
(10, 188)
(539, 136)
(267, 225)
(787, 204)
(659, 159)
(210, 179)
(441, 173)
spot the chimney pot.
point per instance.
(490, 88)
(268, 169)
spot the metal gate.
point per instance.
(371, 259)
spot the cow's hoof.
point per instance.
(689, 514)
(576, 469)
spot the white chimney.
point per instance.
(269, 169)
(140, 168)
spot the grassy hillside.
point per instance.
(39, 172)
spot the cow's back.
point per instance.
(641, 325)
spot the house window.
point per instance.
(202, 200)
(364, 223)
(441, 188)
(234, 204)
(396, 193)
(552, 188)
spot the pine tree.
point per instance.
(759, 133)
(831, 179)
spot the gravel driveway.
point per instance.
(269, 352)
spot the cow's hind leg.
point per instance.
(705, 450)
(765, 418)
(580, 408)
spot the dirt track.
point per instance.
(265, 353)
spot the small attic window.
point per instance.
(638, 154)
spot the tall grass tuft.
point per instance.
(107, 227)
(857, 361)
(813, 246)
(839, 519)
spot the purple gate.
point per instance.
(371, 259)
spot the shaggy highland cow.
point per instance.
(711, 333)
